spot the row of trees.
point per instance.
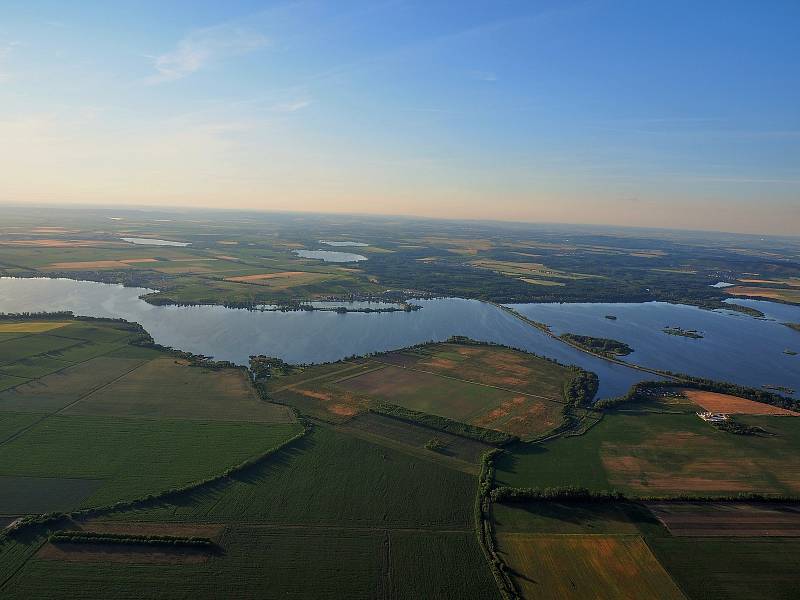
(488, 436)
(91, 537)
(580, 494)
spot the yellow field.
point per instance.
(585, 566)
(648, 253)
(59, 243)
(283, 279)
(792, 281)
(541, 282)
(733, 405)
(468, 247)
(525, 269)
(99, 264)
(30, 327)
(787, 295)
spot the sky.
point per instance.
(672, 113)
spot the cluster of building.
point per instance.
(713, 417)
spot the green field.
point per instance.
(24, 495)
(79, 416)
(726, 569)
(330, 479)
(565, 518)
(373, 522)
(265, 561)
(134, 457)
(166, 388)
(660, 454)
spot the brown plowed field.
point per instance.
(737, 519)
(585, 566)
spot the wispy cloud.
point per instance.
(5, 52)
(292, 106)
(203, 47)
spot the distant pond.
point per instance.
(331, 255)
(736, 347)
(344, 244)
(153, 242)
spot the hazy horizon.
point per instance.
(568, 225)
(603, 113)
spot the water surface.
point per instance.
(153, 242)
(784, 313)
(302, 337)
(343, 244)
(331, 255)
(735, 347)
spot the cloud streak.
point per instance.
(203, 47)
(5, 52)
(292, 106)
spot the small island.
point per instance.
(687, 333)
(611, 317)
(603, 346)
(795, 326)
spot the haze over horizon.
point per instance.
(599, 112)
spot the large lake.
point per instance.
(331, 255)
(749, 351)
(735, 346)
(300, 337)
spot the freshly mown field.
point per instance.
(167, 388)
(585, 566)
(60, 389)
(491, 387)
(646, 453)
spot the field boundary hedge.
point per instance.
(459, 428)
(485, 531)
(510, 495)
(92, 537)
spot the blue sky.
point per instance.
(679, 114)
